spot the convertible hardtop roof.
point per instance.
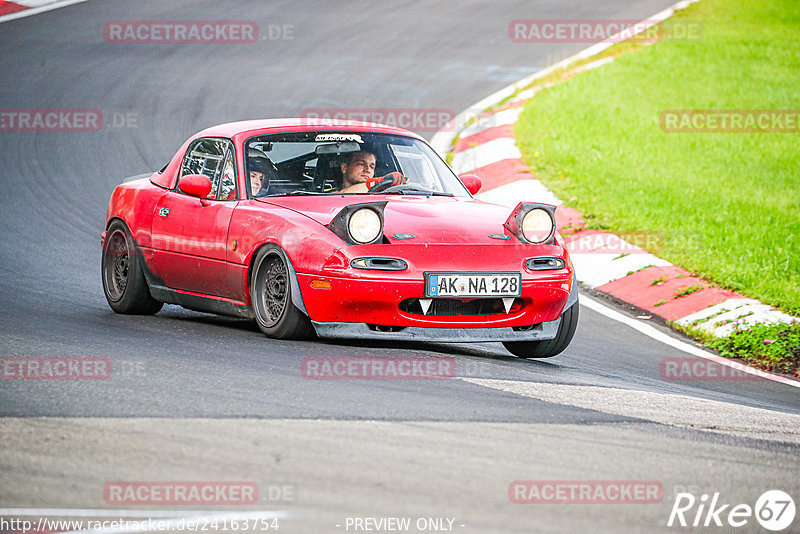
(266, 126)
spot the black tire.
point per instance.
(124, 285)
(550, 347)
(271, 295)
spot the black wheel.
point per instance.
(550, 347)
(271, 294)
(123, 280)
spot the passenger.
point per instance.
(259, 172)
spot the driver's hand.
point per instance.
(384, 182)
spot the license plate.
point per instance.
(473, 284)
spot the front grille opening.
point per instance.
(461, 307)
(528, 328)
(385, 328)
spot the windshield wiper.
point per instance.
(293, 193)
(416, 191)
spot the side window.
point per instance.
(205, 157)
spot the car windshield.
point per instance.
(320, 163)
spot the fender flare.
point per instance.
(573, 294)
(297, 296)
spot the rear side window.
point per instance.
(213, 158)
(227, 186)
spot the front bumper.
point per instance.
(377, 301)
(539, 332)
(448, 332)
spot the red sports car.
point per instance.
(339, 228)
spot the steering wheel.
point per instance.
(381, 183)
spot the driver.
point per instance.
(358, 174)
(356, 170)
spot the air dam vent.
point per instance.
(379, 264)
(461, 307)
(544, 264)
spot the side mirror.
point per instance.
(471, 182)
(195, 185)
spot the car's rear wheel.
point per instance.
(271, 294)
(550, 347)
(123, 279)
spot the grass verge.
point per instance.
(773, 347)
(725, 204)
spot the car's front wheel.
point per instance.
(271, 295)
(123, 279)
(550, 347)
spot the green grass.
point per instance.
(727, 205)
(686, 290)
(771, 347)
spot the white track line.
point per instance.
(652, 332)
(443, 140)
(665, 408)
(485, 154)
(37, 10)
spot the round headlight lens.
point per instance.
(364, 225)
(537, 225)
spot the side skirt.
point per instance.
(192, 301)
(201, 303)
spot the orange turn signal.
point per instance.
(321, 284)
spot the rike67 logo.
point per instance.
(774, 510)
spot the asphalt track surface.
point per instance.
(201, 397)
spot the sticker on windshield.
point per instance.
(339, 137)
